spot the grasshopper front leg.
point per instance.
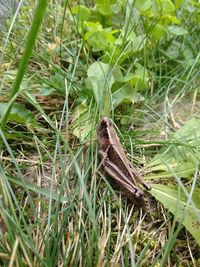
(103, 155)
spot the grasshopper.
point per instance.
(115, 162)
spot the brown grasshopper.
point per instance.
(114, 161)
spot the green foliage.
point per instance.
(82, 122)
(136, 60)
(100, 79)
(109, 89)
(180, 161)
(40, 12)
(118, 33)
(18, 114)
(82, 13)
(98, 38)
(186, 209)
(180, 157)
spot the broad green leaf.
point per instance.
(117, 74)
(139, 79)
(92, 26)
(190, 131)
(80, 110)
(189, 57)
(158, 32)
(126, 93)
(18, 114)
(97, 40)
(82, 127)
(181, 157)
(153, 8)
(101, 80)
(168, 19)
(97, 37)
(82, 13)
(133, 46)
(127, 35)
(146, 6)
(115, 8)
(166, 6)
(173, 51)
(82, 122)
(100, 39)
(133, 82)
(176, 30)
(104, 7)
(56, 82)
(177, 203)
(137, 43)
(178, 3)
(142, 5)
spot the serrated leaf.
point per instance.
(177, 203)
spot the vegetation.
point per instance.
(64, 64)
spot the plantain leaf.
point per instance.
(177, 203)
(82, 122)
(182, 156)
(176, 30)
(82, 13)
(101, 79)
(126, 93)
(104, 7)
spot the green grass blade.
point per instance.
(31, 39)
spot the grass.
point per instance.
(54, 210)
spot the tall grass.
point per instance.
(31, 39)
(55, 210)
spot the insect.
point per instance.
(115, 162)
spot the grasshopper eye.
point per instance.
(139, 193)
(103, 124)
